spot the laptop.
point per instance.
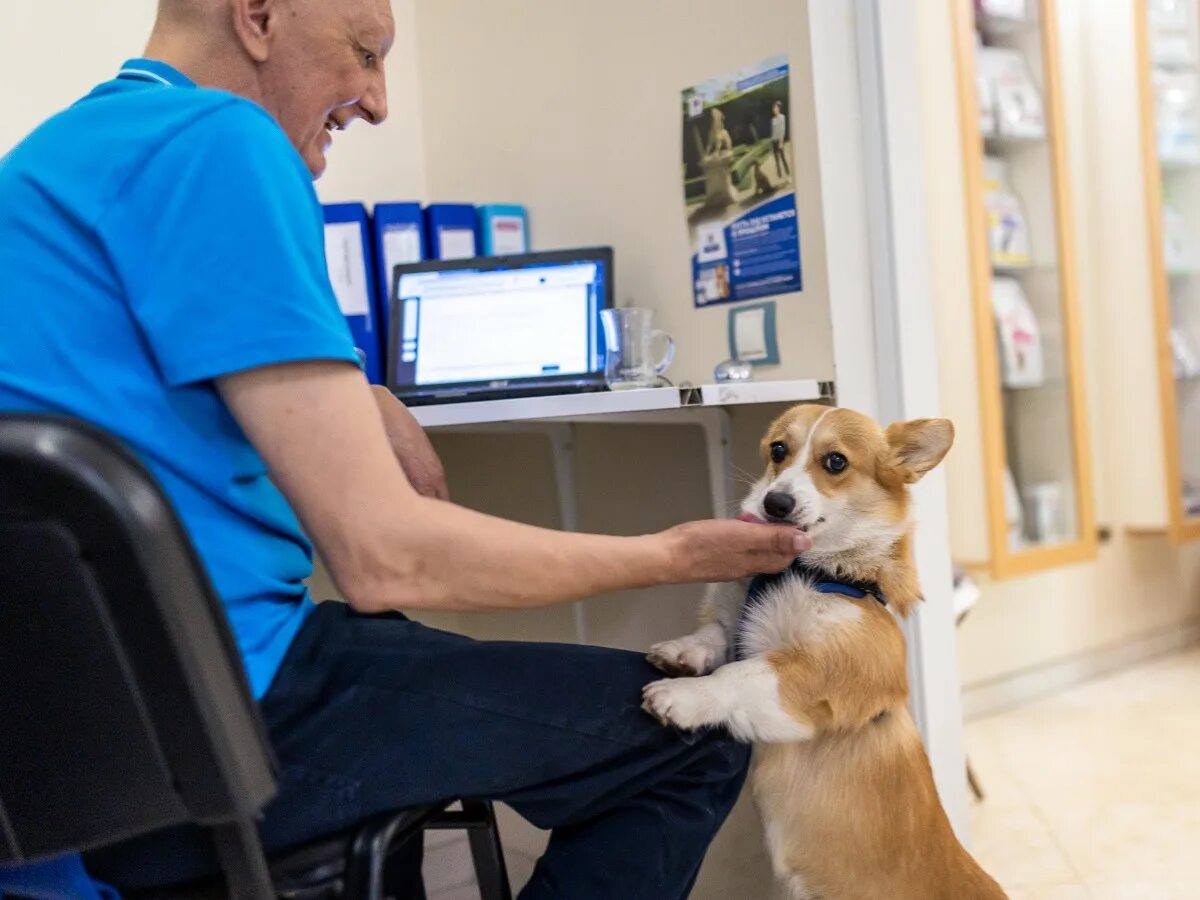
(499, 327)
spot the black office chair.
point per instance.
(124, 705)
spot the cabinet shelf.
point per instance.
(1009, 270)
(997, 143)
(1177, 165)
(1034, 439)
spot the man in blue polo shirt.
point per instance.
(164, 278)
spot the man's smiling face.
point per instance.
(326, 69)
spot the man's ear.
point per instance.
(919, 445)
(254, 23)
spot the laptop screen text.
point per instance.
(472, 326)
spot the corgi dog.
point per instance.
(810, 667)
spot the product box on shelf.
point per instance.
(1008, 228)
(1014, 11)
(1179, 249)
(1018, 335)
(1015, 97)
(1177, 97)
(1187, 362)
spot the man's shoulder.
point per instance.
(213, 133)
(157, 117)
(94, 150)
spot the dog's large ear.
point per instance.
(919, 445)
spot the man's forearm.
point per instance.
(323, 439)
(451, 558)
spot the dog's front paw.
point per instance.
(691, 655)
(686, 703)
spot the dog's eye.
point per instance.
(779, 452)
(835, 463)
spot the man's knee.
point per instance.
(721, 758)
(736, 752)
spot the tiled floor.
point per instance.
(1094, 793)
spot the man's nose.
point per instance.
(374, 102)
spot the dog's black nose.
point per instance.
(778, 505)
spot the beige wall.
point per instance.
(573, 108)
(55, 51)
(386, 162)
(1139, 586)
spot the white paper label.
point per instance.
(710, 238)
(457, 243)
(347, 267)
(750, 333)
(508, 235)
(401, 246)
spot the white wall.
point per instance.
(573, 108)
(52, 52)
(386, 162)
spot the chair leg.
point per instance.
(402, 877)
(974, 783)
(366, 865)
(242, 861)
(488, 856)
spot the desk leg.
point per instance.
(562, 445)
(719, 454)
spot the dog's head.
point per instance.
(837, 475)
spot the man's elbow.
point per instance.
(369, 601)
(371, 591)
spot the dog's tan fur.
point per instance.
(850, 807)
(854, 810)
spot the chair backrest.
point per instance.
(124, 706)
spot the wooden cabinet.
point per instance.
(1168, 56)
(1024, 293)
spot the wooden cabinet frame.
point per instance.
(1006, 562)
(1180, 527)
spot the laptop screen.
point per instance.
(486, 325)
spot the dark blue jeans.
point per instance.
(374, 713)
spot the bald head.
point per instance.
(315, 65)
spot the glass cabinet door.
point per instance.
(1024, 286)
(1169, 46)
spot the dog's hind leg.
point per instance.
(709, 646)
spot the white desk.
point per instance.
(704, 407)
(576, 407)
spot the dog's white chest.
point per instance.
(789, 614)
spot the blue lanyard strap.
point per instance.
(820, 581)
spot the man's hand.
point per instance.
(411, 445)
(724, 550)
